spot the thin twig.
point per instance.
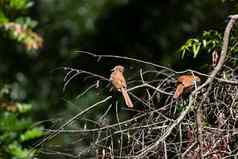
(208, 81)
(125, 58)
(51, 136)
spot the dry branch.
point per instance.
(151, 131)
(231, 22)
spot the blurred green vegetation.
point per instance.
(37, 37)
(17, 132)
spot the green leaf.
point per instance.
(9, 122)
(196, 49)
(31, 134)
(27, 22)
(179, 108)
(19, 4)
(17, 151)
(23, 107)
(3, 18)
(204, 42)
(183, 53)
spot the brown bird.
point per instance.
(185, 83)
(119, 82)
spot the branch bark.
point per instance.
(199, 131)
(229, 26)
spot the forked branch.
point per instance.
(210, 79)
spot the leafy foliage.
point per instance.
(16, 131)
(208, 41)
(16, 125)
(17, 26)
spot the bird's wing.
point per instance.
(123, 81)
(112, 76)
(186, 80)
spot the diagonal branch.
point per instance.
(58, 131)
(229, 26)
(221, 61)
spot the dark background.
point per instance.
(149, 30)
(152, 31)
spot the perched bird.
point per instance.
(119, 82)
(185, 84)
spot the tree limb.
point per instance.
(229, 26)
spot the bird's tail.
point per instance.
(127, 98)
(179, 91)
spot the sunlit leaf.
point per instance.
(204, 42)
(196, 49)
(19, 4)
(17, 151)
(31, 134)
(23, 108)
